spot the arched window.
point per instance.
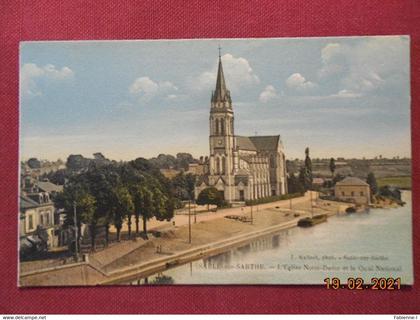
(217, 165)
(222, 127)
(217, 126)
(272, 161)
(223, 165)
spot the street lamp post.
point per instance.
(76, 231)
(312, 207)
(195, 211)
(189, 221)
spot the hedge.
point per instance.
(273, 199)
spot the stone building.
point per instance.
(241, 168)
(37, 209)
(353, 189)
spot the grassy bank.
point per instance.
(401, 182)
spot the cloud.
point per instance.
(269, 93)
(146, 88)
(346, 94)
(237, 70)
(366, 66)
(31, 72)
(298, 82)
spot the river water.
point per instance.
(374, 244)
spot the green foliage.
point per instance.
(209, 196)
(167, 161)
(371, 180)
(76, 162)
(391, 193)
(400, 182)
(123, 205)
(273, 198)
(110, 193)
(34, 163)
(162, 279)
(76, 193)
(183, 185)
(338, 177)
(294, 185)
(305, 174)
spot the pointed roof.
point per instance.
(352, 181)
(258, 143)
(221, 93)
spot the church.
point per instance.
(240, 168)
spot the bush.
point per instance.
(273, 199)
(351, 210)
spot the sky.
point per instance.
(341, 97)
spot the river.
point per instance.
(374, 244)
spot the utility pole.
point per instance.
(76, 232)
(312, 208)
(195, 212)
(189, 221)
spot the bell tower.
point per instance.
(222, 140)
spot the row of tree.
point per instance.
(110, 194)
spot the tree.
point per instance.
(183, 160)
(338, 177)
(209, 196)
(305, 174)
(76, 162)
(294, 185)
(332, 166)
(123, 207)
(371, 180)
(183, 186)
(75, 193)
(34, 163)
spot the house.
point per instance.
(37, 210)
(353, 189)
(47, 186)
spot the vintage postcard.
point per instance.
(224, 161)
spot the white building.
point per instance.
(241, 168)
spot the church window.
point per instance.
(223, 165)
(272, 161)
(30, 222)
(217, 165)
(217, 126)
(222, 127)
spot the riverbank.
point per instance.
(211, 235)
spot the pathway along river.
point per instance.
(374, 244)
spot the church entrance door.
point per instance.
(241, 195)
(221, 194)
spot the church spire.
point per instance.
(221, 93)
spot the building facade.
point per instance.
(353, 189)
(241, 168)
(37, 209)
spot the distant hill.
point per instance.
(356, 167)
